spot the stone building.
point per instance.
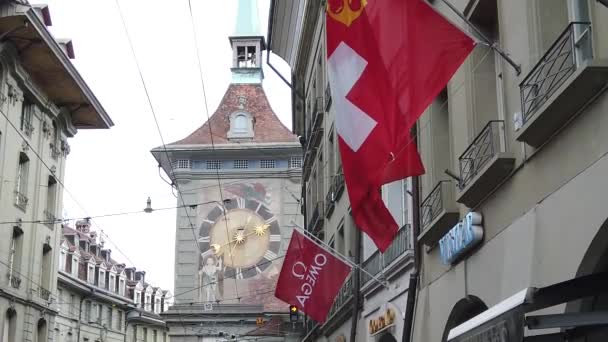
(100, 299)
(43, 102)
(297, 34)
(513, 237)
(239, 179)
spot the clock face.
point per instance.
(243, 234)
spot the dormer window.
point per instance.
(121, 287)
(75, 266)
(91, 274)
(102, 278)
(112, 284)
(137, 297)
(62, 260)
(241, 126)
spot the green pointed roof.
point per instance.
(247, 22)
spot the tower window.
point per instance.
(246, 57)
(241, 164)
(213, 164)
(267, 164)
(183, 164)
(295, 162)
(240, 124)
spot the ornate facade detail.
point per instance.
(242, 102)
(47, 129)
(25, 146)
(14, 94)
(65, 147)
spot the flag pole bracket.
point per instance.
(485, 40)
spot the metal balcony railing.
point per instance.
(327, 97)
(557, 64)
(486, 145)
(335, 190)
(14, 281)
(44, 293)
(345, 294)
(21, 200)
(378, 261)
(49, 218)
(316, 217)
(432, 205)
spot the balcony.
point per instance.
(313, 135)
(327, 97)
(14, 281)
(344, 295)
(484, 164)
(336, 189)
(49, 218)
(386, 262)
(20, 201)
(316, 219)
(438, 213)
(560, 84)
(44, 293)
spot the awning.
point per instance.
(505, 317)
(49, 67)
(285, 27)
(506, 320)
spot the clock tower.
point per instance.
(239, 176)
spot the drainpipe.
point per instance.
(412, 289)
(356, 286)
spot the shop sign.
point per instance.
(462, 238)
(385, 321)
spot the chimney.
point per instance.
(140, 275)
(106, 254)
(130, 272)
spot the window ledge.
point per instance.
(587, 81)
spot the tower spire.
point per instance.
(247, 22)
(247, 44)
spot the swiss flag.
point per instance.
(387, 61)
(310, 277)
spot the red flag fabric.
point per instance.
(387, 61)
(310, 277)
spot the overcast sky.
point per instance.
(112, 171)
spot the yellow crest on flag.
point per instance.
(344, 12)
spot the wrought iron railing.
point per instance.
(21, 200)
(432, 205)
(373, 266)
(485, 146)
(400, 244)
(345, 293)
(316, 217)
(49, 218)
(554, 68)
(327, 97)
(378, 261)
(335, 190)
(44, 293)
(14, 281)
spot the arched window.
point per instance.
(10, 326)
(240, 124)
(42, 330)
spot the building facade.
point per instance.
(519, 211)
(238, 178)
(99, 299)
(43, 102)
(297, 34)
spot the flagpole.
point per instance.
(337, 254)
(487, 40)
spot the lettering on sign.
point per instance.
(309, 275)
(462, 238)
(387, 319)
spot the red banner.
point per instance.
(387, 60)
(310, 277)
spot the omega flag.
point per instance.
(387, 61)
(310, 277)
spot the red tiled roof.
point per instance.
(267, 127)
